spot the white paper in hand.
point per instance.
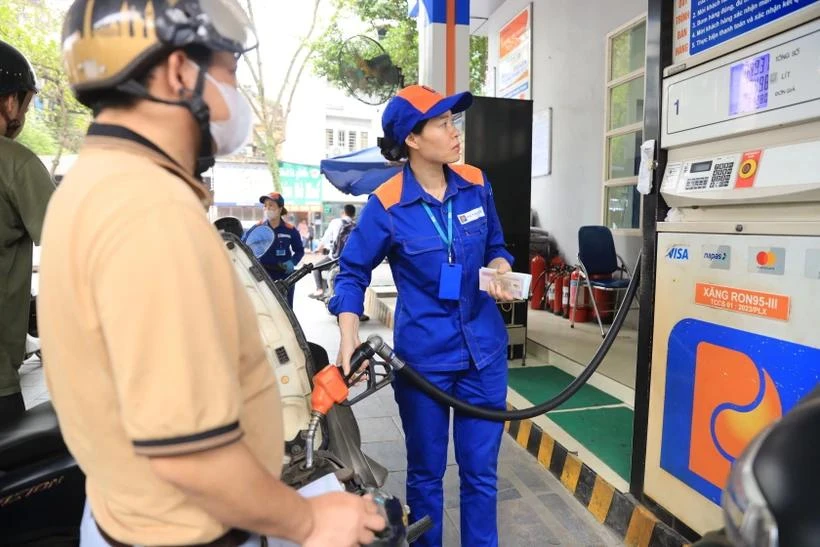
(324, 485)
(517, 284)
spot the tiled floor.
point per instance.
(534, 508)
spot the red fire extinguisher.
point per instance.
(551, 290)
(559, 288)
(538, 269)
(565, 295)
(579, 311)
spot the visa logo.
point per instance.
(678, 253)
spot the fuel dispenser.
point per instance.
(737, 296)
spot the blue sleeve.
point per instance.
(495, 234)
(296, 245)
(367, 246)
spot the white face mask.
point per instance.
(232, 134)
(271, 215)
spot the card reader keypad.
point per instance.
(697, 183)
(722, 175)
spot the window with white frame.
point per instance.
(328, 139)
(351, 141)
(340, 140)
(364, 139)
(626, 66)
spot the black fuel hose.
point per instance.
(376, 346)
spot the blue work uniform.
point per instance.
(458, 344)
(284, 254)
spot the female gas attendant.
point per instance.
(286, 250)
(437, 224)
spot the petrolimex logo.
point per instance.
(767, 260)
(678, 253)
(723, 386)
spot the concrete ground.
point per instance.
(534, 509)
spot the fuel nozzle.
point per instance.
(329, 388)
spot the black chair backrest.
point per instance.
(596, 250)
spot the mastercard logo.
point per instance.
(766, 258)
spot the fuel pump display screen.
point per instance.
(749, 85)
(701, 167)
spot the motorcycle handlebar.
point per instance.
(291, 280)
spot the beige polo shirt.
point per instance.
(150, 343)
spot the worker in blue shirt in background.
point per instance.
(287, 250)
(437, 224)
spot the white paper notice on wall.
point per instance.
(542, 143)
(647, 165)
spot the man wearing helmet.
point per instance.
(25, 188)
(165, 397)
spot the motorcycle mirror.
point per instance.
(232, 225)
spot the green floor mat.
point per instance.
(606, 432)
(537, 384)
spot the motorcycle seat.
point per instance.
(34, 436)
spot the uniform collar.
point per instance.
(110, 137)
(412, 190)
(283, 225)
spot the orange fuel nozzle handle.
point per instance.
(329, 388)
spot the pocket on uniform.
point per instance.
(422, 245)
(493, 379)
(476, 228)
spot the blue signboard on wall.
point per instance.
(713, 22)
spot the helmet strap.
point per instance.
(202, 114)
(196, 104)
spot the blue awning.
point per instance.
(358, 172)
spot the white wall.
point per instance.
(569, 58)
(318, 106)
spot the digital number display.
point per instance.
(749, 85)
(701, 167)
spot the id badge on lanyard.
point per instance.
(449, 286)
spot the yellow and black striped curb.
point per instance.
(632, 522)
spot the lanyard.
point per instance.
(448, 239)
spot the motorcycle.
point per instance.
(42, 489)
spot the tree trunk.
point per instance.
(55, 163)
(273, 115)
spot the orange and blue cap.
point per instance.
(417, 103)
(276, 197)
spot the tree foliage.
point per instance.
(389, 23)
(56, 122)
(272, 109)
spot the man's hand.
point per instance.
(343, 519)
(496, 288)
